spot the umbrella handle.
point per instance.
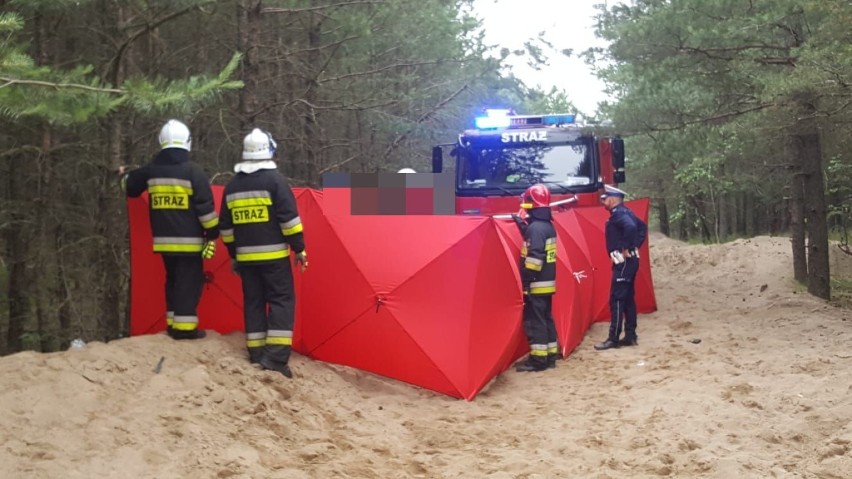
(508, 216)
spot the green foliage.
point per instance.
(76, 95)
(707, 91)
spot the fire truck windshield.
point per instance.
(512, 169)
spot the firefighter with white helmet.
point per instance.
(538, 278)
(184, 223)
(262, 230)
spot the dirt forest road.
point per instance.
(767, 392)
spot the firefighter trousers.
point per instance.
(269, 307)
(184, 285)
(622, 301)
(540, 328)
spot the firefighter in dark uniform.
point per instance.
(538, 278)
(184, 224)
(262, 229)
(625, 233)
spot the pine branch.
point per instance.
(16, 81)
(321, 7)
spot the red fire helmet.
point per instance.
(536, 196)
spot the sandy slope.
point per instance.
(766, 393)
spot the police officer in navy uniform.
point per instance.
(538, 278)
(184, 223)
(262, 229)
(625, 233)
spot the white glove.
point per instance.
(635, 253)
(616, 257)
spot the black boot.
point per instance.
(551, 360)
(194, 334)
(628, 341)
(608, 344)
(255, 356)
(532, 365)
(279, 367)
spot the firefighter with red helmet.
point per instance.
(261, 228)
(538, 277)
(183, 221)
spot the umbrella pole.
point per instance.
(508, 216)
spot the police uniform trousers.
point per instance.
(269, 307)
(622, 302)
(540, 328)
(184, 285)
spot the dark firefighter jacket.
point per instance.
(180, 203)
(624, 230)
(260, 220)
(538, 254)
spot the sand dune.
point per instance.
(767, 392)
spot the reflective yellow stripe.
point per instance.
(543, 290)
(241, 202)
(227, 238)
(170, 189)
(214, 221)
(263, 256)
(185, 323)
(255, 343)
(279, 341)
(177, 248)
(533, 266)
(291, 231)
(538, 350)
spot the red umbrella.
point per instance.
(575, 282)
(430, 300)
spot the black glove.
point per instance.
(522, 225)
(302, 259)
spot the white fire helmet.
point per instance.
(175, 134)
(258, 145)
(406, 170)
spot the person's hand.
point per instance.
(235, 267)
(302, 259)
(209, 250)
(616, 257)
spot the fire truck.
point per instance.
(505, 153)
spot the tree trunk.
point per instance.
(663, 213)
(250, 29)
(723, 217)
(797, 227)
(806, 145)
(310, 139)
(17, 254)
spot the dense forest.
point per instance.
(736, 117)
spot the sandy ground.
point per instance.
(766, 393)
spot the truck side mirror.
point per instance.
(437, 159)
(618, 175)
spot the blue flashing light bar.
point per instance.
(505, 119)
(493, 119)
(557, 119)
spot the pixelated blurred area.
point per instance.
(396, 193)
